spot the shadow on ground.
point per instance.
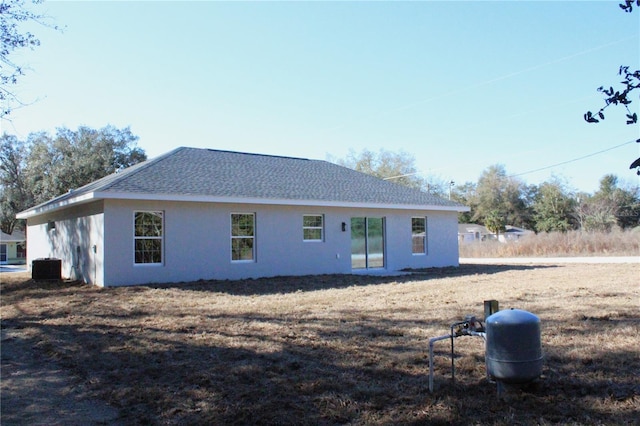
(286, 284)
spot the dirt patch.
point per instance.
(36, 390)
(332, 349)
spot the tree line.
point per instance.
(497, 199)
(42, 166)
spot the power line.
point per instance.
(538, 169)
(573, 160)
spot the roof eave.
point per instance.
(271, 201)
(51, 207)
(87, 197)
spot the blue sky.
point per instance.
(458, 85)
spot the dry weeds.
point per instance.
(574, 243)
(339, 349)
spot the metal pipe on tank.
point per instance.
(431, 342)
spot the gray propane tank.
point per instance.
(513, 346)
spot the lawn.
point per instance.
(339, 349)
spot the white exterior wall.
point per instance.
(77, 230)
(442, 240)
(197, 242)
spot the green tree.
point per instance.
(85, 155)
(553, 207)
(43, 167)
(14, 194)
(623, 204)
(610, 206)
(628, 214)
(495, 222)
(497, 193)
(38, 170)
(465, 194)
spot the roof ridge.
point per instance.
(256, 154)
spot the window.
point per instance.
(148, 237)
(243, 230)
(419, 235)
(21, 250)
(312, 227)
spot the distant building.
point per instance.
(13, 248)
(472, 232)
(514, 233)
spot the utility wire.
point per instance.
(541, 168)
(535, 170)
(573, 160)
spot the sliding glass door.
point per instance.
(367, 242)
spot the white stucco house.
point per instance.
(208, 214)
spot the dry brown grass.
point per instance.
(339, 349)
(574, 243)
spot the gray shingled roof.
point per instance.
(207, 173)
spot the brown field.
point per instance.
(338, 349)
(618, 242)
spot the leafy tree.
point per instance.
(14, 194)
(399, 167)
(13, 15)
(609, 207)
(628, 214)
(43, 167)
(75, 158)
(496, 193)
(465, 194)
(495, 222)
(623, 204)
(553, 207)
(630, 82)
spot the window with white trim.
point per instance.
(419, 235)
(243, 230)
(313, 227)
(148, 237)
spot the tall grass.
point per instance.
(574, 243)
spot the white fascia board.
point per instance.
(49, 207)
(272, 201)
